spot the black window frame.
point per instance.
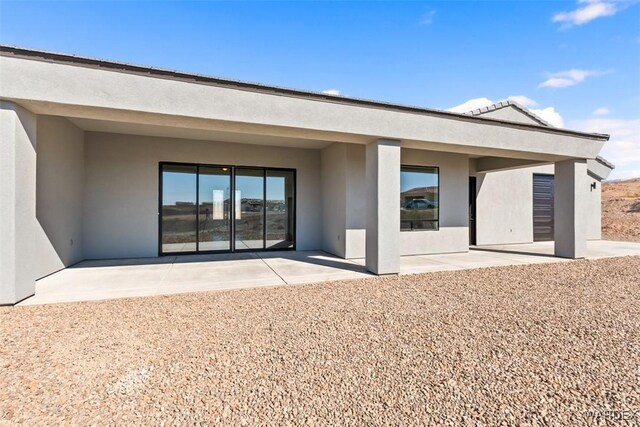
(436, 222)
(232, 176)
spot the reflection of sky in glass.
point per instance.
(178, 187)
(275, 188)
(209, 183)
(249, 186)
(181, 187)
(410, 180)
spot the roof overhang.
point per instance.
(599, 168)
(89, 89)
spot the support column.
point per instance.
(17, 203)
(383, 207)
(570, 208)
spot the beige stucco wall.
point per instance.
(59, 194)
(504, 206)
(453, 235)
(334, 169)
(510, 114)
(343, 200)
(18, 146)
(75, 91)
(357, 207)
(121, 190)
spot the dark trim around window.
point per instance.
(436, 222)
(232, 207)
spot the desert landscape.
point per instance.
(621, 210)
(545, 344)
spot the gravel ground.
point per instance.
(539, 345)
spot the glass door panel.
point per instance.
(204, 206)
(249, 209)
(279, 209)
(214, 208)
(178, 214)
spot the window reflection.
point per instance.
(280, 207)
(203, 205)
(178, 208)
(249, 221)
(214, 223)
(419, 198)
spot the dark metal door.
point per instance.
(543, 221)
(472, 210)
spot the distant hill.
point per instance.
(621, 210)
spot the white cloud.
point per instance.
(557, 82)
(602, 111)
(623, 149)
(523, 100)
(470, 105)
(549, 115)
(587, 11)
(331, 92)
(569, 77)
(427, 18)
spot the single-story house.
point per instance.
(102, 160)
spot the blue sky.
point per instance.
(181, 187)
(576, 63)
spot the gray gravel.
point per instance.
(537, 345)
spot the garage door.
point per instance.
(542, 207)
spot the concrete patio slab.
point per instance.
(108, 279)
(312, 266)
(595, 249)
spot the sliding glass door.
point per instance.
(214, 207)
(178, 211)
(206, 208)
(249, 219)
(279, 209)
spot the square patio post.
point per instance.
(18, 203)
(570, 208)
(383, 207)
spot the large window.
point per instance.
(419, 198)
(210, 208)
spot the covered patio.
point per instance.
(158, 169)
(139, 277)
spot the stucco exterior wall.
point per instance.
(343, 200)
(334, 169)
(84, 92)
(18, 146)
(453, 235)
(59, 194)
(510, 114)
(356, 229)
(121, 190)
(504, 206)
